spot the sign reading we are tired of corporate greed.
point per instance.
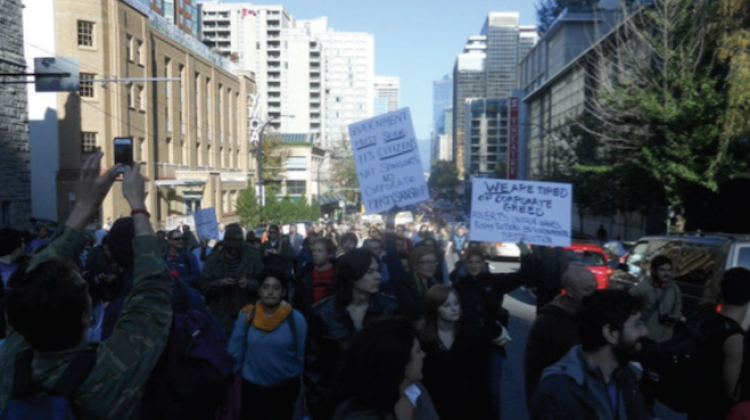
(388, 164)
(509, 211)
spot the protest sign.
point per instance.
(205, 224)
(388, 165)
(509, 211)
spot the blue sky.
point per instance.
(417, 40)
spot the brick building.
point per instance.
(15, 184)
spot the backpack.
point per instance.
(677, 371)
(32, 401)
(194, 373)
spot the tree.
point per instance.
(501, 170)
(661, 101)
(273, 158)
(344, 169)
(248, 208)
(443, 176)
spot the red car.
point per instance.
(592, 257)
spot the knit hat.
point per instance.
(233, 236)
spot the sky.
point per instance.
(416, 40)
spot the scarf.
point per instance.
(264, 322)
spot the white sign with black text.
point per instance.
(539, 213)
(388, 164)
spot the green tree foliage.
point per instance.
(734, 52)
(248, 208)
(273, 159)
(277, 210)
(344, 169)
(443, 176)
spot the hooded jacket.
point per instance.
(573, 389)
(552, 334)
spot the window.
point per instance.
(129, 48)
(141, 54)
(295, 187)
(743, 257)
(296, 163)
(141, 150)
(87, 85)
(85, 34)
(88, 142)
(131, 96)
(170, 150)
(141, 99)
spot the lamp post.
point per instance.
(259, 155)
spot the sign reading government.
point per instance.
(509, 211)
(388, 164)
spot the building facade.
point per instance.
(486, 144)
(303, 175)
(442, 100)
(189, 134)
(15, 169)
(386, 94)
(487, 69)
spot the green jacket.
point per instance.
(114, 388)
(226, 302)
(670, 302)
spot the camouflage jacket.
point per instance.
(114, 388)
(226, 302)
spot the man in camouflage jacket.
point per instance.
(114, 387)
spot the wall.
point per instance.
(15, 170)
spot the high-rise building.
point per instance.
(442, 99)
(487, 69)
(386, 94)
(190, 135)
(486, 143)
(349, 73)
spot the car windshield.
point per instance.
(587, 258)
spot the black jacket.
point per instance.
(328, 337)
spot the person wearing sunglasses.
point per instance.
(182, 264)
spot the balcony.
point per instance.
(273, 35)
(274, 46)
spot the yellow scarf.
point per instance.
(264, 322)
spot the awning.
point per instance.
(327, 200)
(179, 182)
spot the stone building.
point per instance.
(15, 171)
(190, 135)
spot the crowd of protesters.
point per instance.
(363, 322)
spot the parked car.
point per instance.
(497, 250)
(594, 258)
(698, 263)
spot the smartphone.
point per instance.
(123, 152)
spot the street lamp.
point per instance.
(261, 190)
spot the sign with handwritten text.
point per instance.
(205, 224)
(509, 211)
(388, 164)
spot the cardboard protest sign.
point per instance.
(205, 224)
(509, 211)
(388, 165)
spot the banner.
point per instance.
(206, 225)
(539, 213)
(388, 164)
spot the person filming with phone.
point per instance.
(661, 298)
(50, 311)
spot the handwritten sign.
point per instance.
(388, 164)
(206, 224)
(508, 211)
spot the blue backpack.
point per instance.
(194, 373)
(30, 401)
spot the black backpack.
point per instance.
(676, 371)
(30, 401)
(192, 377)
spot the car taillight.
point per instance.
(610, 271)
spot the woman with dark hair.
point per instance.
(457, 362)
(379, 376)
(441, 274)
(268, 343)
(413, 287)
(482, 296)
(336, 319)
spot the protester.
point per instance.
(441, 274)
(295, 239)
(401, 233)
(315, 281)
(191, 241)
(181, 263)
(661, 298)
(411, 290)
(551, 263)
(594, 380)
(221, 232)
(424, 233)
(348, 242)
(228, 281)
(336, 319)
(457, 363)
(275, 252)
(721, 373)
(380, 375)
(11, 249)
(50, 310)
(555, 331)
(202, 252)
(42, 239)
(375, 245)
(268, 343)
